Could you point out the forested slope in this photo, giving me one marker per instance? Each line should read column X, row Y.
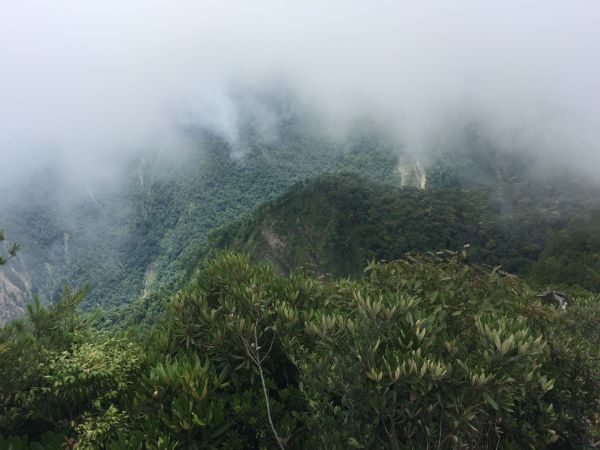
column 139, row 234
column 336, row 223
column 149, row 228
column 441, row 349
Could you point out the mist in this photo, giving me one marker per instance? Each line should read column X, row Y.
column 88, row 85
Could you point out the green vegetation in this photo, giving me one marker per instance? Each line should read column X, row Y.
column 12, row 250
column 572, row 257
column 422, row 351
column 180, row 341
column 55, row 371
column 146, row 234
column 335, row 223
column 139, row 236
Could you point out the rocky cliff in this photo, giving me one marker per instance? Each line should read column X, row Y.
column 15, row 290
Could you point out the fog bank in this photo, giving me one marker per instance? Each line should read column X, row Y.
column 89, row 84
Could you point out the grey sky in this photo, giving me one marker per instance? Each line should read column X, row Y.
column 85, row 83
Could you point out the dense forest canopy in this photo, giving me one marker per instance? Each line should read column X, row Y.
column 169, row 342
column 426, row 350
column 128, row 240
column 141, row 236
column 437, row 348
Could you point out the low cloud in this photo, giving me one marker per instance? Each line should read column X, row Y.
column 89, row 84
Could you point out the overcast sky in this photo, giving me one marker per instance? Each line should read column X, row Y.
column 86, row 82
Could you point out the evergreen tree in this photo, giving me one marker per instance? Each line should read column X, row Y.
column 12, row 250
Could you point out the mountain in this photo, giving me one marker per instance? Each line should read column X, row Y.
column 336, row 223
column 370, row 325
column 139, row 235
column 149, row 227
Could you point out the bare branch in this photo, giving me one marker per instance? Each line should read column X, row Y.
column 253, row 352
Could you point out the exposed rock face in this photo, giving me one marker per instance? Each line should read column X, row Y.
column 274, row 247
column 555, row 298
column 150, row 277
column 412, row 173
column 15, row 290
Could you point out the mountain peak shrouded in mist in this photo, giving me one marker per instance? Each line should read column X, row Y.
column 87, row 85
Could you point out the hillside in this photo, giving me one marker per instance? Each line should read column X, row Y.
column 139, row 235
column 350, row 351
column 149, row 230
column 336, row 223
column 232, row 225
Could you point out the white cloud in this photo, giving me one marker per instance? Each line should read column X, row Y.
column 85, row 82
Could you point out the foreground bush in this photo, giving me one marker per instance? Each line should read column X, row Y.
column 424, row 352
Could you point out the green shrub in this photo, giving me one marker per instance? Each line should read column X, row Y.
column 421, row 352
